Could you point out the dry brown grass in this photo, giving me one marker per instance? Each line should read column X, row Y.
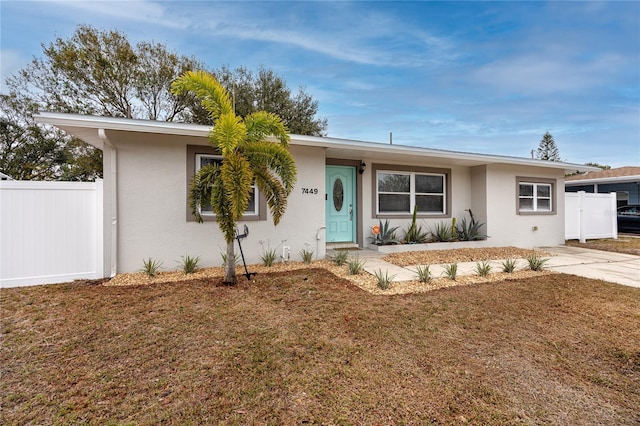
column 309, row 347
column 430, row 257
column 624, row 244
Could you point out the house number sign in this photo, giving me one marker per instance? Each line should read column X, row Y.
column 310, row 191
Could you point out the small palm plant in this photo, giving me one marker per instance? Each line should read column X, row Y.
column 483, row 268
column 340, row 257
column 384, row 279
column 190, row 264
column 423, row 273
column 307, row 255
column 509, row 265
column 451, row 271
column 355, row 266
column 151, row 267
column 536, row 263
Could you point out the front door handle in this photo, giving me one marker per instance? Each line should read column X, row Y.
column 350, row 212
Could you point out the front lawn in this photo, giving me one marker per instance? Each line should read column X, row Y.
column 307, row 347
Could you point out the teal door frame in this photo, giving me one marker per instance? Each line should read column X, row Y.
column 341, row 206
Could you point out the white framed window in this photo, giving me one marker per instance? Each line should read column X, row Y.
column 535, row 197
column 206, row 210
column 399, row 192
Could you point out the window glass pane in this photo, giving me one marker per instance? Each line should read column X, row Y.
column 394, row 203
column 544, row 204
column 429, row 184
column 393, row 182
column 251, row 208
column 430, row 203
column 544, row 191
column 526, row 190
column 209, row 160
column 526, row 204
column 338, row 194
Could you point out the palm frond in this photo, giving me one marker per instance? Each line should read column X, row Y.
column 237, row 177
column 276, row 158
column 228, row 133
column 200, row 188
column 274, row 192
column 222, row 209
column 262, row 124
column 213, row 96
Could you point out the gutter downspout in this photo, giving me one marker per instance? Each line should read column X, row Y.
column 110, row 226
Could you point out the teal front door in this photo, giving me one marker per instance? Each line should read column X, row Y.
column 341, row 204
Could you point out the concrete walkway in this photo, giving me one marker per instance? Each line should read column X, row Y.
column 609, row 266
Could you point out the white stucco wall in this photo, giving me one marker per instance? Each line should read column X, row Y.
column 504, row 226
column 152, row 198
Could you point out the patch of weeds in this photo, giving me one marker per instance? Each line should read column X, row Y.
column 340, row 257
column 307, row 255
column 423, row 273
column 536, row 263
column 384, row 279
column 151, row 267
column 451, row 271
column 509, row 265
column 483, row 268
column 355, row 266
column 189, row 264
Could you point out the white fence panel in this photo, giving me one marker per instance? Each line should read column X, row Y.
column 590, row 216
column 50, row 232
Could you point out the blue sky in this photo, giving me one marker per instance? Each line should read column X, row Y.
column 487, row 77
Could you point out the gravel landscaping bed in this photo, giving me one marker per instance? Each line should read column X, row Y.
column 363, row 280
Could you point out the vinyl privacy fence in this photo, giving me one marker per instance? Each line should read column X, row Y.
column 590, row 216
column 50, row 232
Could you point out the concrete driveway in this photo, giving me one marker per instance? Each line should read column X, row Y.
column 618, row 268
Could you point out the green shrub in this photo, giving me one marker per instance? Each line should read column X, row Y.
column 441, row 232
column 307, row 255
column 151, row 267
column 384, row 279
column 414, row 233
column 451, row 270
column 509, row 265
column 536, row 263
column 190, row 264
column 470, row 231
column 483, row 268
column 387, row 234
column 423, row 273
column 340, row 257
column 355, row 266
column 268, row 257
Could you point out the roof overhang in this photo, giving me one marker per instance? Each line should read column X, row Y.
column 617, row 179
column 87, row 127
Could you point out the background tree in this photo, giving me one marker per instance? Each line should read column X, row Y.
column 547, row 149
column 602, row 166
column 102, row 73
column 247, row 157
column 266, row 91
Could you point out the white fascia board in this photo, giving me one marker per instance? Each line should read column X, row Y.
column 618, row 179
column 65, row 120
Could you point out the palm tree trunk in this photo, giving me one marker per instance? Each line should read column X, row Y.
column 230, row 266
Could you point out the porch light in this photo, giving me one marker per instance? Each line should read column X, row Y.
column 363, row 167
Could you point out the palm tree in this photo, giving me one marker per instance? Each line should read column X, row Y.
column 254, row 151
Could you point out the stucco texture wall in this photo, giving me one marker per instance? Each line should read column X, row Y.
column 152, row 195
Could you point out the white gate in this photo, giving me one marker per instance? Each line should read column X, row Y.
column 50, row 232
column 590, row 216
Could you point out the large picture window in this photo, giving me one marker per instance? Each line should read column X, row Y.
column 206, row 210
column 399, row 192
column 535, row 196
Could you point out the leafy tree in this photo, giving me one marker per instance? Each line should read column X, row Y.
column 247, row 157
column 93, row 72
column 547, row 150
column 266, row 91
